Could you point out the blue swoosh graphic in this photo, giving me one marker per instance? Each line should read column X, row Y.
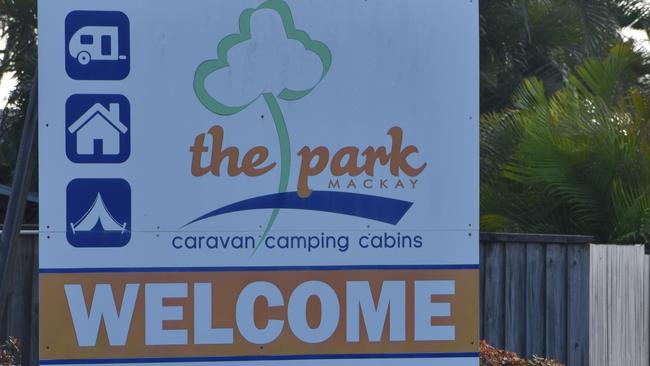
column 376, row 208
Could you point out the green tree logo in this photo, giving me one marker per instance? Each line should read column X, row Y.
column 221, row 64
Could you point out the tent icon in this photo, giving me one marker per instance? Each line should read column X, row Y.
column 98, row 213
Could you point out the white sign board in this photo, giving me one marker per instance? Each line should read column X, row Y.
column 259, row 182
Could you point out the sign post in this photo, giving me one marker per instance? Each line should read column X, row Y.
column 259, row 182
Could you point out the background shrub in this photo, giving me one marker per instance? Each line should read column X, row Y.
column 491, row 356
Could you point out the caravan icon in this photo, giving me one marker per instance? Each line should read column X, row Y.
column 95, row 43
column 98, row 213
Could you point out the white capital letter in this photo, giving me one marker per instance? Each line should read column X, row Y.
column 425, row 309
column 245, row 312
column 155, row 313
column 203, row 331
column 297, row 312
column 86, row 324
column 359, row 299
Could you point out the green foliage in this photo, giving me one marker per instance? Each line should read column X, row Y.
column 576, row 162
column 19, row 57
column 547, row 39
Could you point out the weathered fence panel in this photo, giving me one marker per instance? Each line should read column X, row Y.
column 598, row 295
column 578, row 301
column 618, row 315
column 494, row 299
column 556, row 302
column 535, row 298
column 515, row 334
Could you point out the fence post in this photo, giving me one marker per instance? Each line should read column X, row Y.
column 20, row 188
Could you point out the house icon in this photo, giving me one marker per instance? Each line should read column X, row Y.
column 98, row 130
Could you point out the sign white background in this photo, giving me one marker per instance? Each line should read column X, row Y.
column 409, row 63
column 406, row 63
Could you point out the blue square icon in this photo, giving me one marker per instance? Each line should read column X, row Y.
column 98, row 213
column 97, row 128
column 97, row 45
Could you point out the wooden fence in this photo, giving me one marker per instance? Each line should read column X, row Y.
column 554, row 296
column 619, row 299
column 21, row 316
column 561, row 297
column 535, row 293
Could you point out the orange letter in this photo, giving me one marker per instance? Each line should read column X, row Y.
column 232, row 153
column 350, row 166
column 398, row 156
column 255, row 157
column 197, row 151
column 306, row 170
column 372, row 156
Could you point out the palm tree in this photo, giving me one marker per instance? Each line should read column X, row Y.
column 547, row 39
column 576, row 162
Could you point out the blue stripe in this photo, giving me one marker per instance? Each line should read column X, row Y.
column 263, row 269
column 262, row 358
column 376, row 208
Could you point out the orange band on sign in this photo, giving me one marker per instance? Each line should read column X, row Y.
column 258, row 313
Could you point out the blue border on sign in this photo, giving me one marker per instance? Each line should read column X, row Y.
column 260, row 269
column 263, row 358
